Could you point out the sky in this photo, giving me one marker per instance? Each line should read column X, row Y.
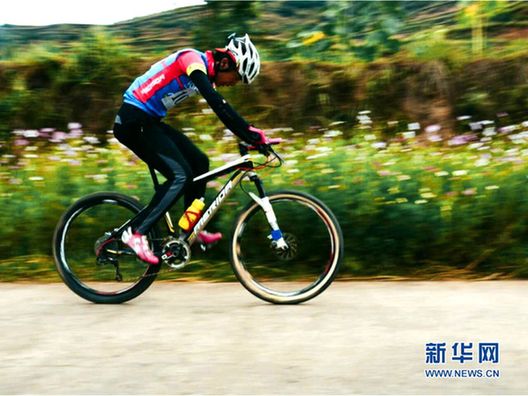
column 98, row 12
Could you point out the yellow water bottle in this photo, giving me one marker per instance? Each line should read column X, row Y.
column 192, row 215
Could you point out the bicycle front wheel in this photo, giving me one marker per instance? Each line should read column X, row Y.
column 299, row 272
column 91, row 261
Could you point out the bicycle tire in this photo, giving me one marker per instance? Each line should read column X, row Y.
column 246, row 278
column 61, row 263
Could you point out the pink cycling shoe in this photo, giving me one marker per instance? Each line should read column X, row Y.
column 139, row 245
column 208, row 238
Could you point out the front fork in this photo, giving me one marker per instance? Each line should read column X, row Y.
column 263, row 201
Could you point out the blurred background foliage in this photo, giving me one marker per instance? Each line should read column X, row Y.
column 404, row 60
column 372, row 97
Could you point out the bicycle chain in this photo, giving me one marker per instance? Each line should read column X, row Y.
column 167, row 269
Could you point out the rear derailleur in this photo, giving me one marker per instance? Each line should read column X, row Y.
column 106, row 251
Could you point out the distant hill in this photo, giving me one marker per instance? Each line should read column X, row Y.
column 270, row 22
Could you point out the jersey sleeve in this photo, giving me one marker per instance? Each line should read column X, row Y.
column 191, row 61
column 231, row 119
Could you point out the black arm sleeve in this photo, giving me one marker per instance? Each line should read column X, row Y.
column 231, row 119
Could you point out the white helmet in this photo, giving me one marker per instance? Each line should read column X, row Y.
column 247, row 57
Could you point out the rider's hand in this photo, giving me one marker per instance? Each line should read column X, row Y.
column 258, row 136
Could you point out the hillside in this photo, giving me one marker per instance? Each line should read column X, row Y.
column 271, row 22
column 411, row 60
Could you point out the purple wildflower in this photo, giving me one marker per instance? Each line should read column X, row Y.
column 57, row 137
column 75, row 133
column 462, row 139
column 433, row 128
column 507, row 129
column 46, row 132
column 21, row 142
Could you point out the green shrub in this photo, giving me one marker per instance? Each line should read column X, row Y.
column 405, row 207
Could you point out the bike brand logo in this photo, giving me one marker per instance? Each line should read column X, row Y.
column 152, row 84
column 218, row 200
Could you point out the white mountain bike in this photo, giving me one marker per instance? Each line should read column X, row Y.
column 286, row 246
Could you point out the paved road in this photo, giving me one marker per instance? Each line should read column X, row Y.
column 358, row 337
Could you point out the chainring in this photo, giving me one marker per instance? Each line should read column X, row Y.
column 175, row 253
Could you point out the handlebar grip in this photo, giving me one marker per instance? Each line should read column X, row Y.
column 275, row 141
column 244, row 147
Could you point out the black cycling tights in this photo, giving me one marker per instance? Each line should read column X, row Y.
column 168, row 151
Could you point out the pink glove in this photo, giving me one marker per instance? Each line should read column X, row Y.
column 258, row 135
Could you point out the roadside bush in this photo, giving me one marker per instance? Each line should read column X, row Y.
column 86, row 84
column 407, row 206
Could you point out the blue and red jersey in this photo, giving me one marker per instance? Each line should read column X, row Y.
column 167, row 82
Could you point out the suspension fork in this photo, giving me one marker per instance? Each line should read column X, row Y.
column 263, row 201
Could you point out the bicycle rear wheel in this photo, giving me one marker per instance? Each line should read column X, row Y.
column 303, row 270
column 94, row 264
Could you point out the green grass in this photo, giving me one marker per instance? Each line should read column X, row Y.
column 408, row 206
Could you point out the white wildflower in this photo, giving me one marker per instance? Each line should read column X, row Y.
column 315, row 156
column 428, row 195
column 432, row 128
column 332, row 133
column 74, row 125
column 31, row 133
column 205, row 137
column 489, row 131
column 91, row 139
column 460, row 172
column 379, row 145
column 414, row 126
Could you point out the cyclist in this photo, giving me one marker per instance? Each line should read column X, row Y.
column 139, row 126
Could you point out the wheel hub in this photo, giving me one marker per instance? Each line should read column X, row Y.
column 290, row 252
column 103, row 248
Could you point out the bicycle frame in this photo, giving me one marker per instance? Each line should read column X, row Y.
column 241, row 167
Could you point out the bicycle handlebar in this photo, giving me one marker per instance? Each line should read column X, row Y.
column 262, row 148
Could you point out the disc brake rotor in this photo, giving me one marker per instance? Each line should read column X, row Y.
column 290, row 252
